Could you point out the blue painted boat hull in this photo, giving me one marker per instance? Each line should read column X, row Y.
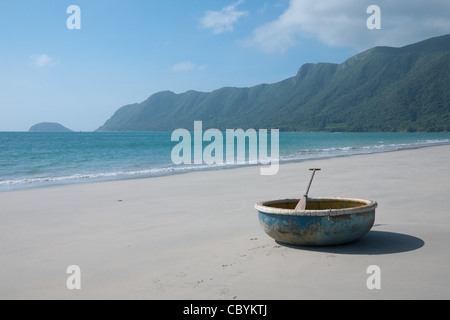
column 326, row 221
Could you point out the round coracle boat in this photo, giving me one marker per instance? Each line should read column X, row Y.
column 324, row 222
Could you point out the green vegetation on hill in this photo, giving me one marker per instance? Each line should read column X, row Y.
column 381, row 89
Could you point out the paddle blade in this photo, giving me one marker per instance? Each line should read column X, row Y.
column 301, row 204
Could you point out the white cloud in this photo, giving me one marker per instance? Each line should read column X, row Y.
column 223, row 20
column 183, row 66
column 186, row 66
column 42, row 60
column 343, row 23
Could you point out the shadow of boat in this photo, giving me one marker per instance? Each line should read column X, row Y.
column 373, row 243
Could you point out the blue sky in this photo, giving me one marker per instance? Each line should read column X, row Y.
column 127, row 50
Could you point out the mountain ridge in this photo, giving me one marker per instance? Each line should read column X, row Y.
column 380, row 89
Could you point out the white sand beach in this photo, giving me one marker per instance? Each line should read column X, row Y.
column 197, row 235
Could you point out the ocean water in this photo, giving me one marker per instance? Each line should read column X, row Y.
column 30, row 160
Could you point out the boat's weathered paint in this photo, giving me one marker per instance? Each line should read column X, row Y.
column 326, row 221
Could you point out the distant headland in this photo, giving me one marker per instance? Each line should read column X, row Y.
column 49, row 127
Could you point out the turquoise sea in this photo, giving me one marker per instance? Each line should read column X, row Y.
column 30, row 160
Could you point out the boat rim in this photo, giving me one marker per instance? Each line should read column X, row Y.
column 368, row 205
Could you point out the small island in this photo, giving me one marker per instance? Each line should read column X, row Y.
column 49, row 127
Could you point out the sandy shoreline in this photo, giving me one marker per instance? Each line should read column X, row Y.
column 197, row 235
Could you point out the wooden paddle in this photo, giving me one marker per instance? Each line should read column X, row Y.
column 302, row 203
